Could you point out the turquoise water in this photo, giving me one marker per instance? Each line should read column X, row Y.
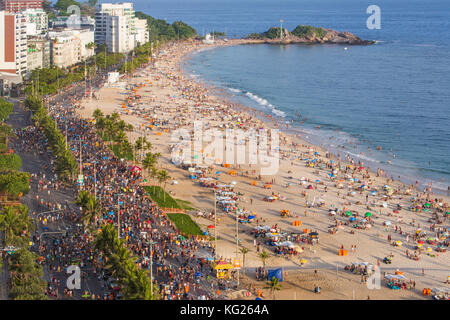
column 395, row 94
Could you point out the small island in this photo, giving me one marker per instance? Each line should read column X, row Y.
column 307, row 34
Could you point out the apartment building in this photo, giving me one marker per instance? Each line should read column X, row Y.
column 13, row 43
column 142, row 34
column 15, row 6
column 37, row 21
column 115, row 26
column 69, row 47
column 42, row 44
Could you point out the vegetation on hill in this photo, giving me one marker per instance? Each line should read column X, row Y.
column 160, row 30
column 300, row 31
column 308, row 31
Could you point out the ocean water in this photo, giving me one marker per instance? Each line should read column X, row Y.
column 395, row 94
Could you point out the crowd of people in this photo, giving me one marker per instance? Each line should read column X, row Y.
column 177, row 262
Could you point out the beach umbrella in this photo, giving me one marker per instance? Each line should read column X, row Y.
column 447, row 213
column 348, row 213
column 251, row 217
column 352, row 219
column 368, row 214
column 211, row 227
column 388, row 223
column 258, row 298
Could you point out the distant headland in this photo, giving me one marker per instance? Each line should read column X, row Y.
column 308, row 35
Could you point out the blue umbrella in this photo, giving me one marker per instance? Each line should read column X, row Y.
column 251, row 217
column 217, row 172
column 258, row 298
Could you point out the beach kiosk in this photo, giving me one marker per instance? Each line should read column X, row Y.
column 223, row 269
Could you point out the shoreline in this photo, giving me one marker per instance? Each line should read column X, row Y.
column 406, row 177
column 164, row 100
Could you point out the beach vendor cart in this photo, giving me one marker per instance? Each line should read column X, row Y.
column 223, row 269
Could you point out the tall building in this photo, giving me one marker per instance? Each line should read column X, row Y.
column 40, row 43
column 15, row 6
column 141, row 35
column 37, row 21
column 13, row 43
column 115, row 26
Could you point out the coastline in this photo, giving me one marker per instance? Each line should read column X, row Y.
column 405, row 172
column 187, row 188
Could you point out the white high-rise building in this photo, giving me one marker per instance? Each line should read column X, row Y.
column 141, row 36
column 37, row 21
column 13, row 43
column 115, row 26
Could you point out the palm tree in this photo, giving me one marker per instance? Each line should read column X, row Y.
column 163, row 176
column 97, row 115
column 9, row 221
column 264, row 256
column 90, row 206
column 244, row 251
column 273, row 285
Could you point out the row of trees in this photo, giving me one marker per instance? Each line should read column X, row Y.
column 44, row 81
column 121, row 263
column 113, row 130
column 64, row 159
column 26, row 274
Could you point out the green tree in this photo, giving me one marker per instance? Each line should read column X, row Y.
column 244, row 252
column 273, row 285
column 264, row 256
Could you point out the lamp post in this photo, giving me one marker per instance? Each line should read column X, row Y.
column 81, row 164
column 151, row 243
column 215, row 224
column 281, row 29
column 118, row 214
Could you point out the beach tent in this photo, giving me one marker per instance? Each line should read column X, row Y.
column 348, row 213
column 275, row 273
column 395, row 277
column 368, row 214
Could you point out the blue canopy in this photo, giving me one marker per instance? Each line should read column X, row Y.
column 277, row 273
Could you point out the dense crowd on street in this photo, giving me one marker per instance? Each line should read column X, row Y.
column 179, row 266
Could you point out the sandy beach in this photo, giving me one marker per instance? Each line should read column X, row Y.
column 315, row 192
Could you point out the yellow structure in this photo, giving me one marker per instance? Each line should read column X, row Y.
column 223, row 269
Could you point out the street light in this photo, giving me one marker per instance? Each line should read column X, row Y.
column 118, row 214
column 151, row 243
column 215, row 224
